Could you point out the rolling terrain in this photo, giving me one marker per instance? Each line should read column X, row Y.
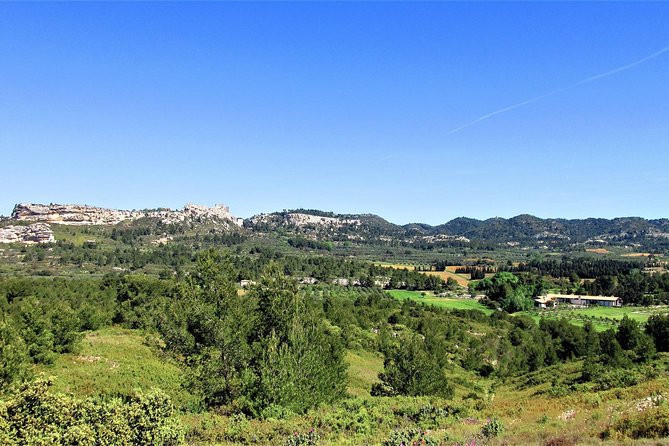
column 633, row 234
column 313, row 328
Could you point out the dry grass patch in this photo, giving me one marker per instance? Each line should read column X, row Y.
column 598, row 250
column 397, row 266
column 445, row 275
column 454, row 268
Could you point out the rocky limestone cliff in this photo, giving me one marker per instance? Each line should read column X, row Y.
column 299, row 219
column 71, row 214
column 74, row 214
column 218, row 211
column 35, row 233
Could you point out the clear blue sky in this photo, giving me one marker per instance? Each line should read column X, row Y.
column 347, row 107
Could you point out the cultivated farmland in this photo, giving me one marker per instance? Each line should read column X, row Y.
column 602, row 317
column 444, row 302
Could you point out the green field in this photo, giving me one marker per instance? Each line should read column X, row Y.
column 602, row 317
column 363, row 371
column 640, row 314
column 80, row 234
column 445, row 302
column 599, row 325
column 114, row 361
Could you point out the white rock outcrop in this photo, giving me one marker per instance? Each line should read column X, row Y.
column 75, row 214
column 71, row 214
column 300, row 220
column 35, row 233
column 218, row 211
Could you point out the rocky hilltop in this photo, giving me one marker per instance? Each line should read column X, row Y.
column 522, row 230
column 301, row 220
column 71, row 214
column 329, row 226
column 75, row 214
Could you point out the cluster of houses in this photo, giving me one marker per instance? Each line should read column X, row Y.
column 551, row 300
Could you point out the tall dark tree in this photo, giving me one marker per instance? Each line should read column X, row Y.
column 210, row 323
column 612, row 354
column 657, row 327
column 631, row 338
column 592, row 345
column 411, row 370
column 279, row 304
column 13, row 354
column 298, row 362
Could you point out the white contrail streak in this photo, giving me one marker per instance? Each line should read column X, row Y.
column 559, row 90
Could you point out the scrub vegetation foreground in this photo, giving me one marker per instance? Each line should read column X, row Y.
column 309, row 328
column 136, row 359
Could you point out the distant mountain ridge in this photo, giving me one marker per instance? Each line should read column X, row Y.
column 524, row 229
column 525, row 226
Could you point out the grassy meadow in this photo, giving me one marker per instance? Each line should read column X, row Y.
column 407, row 266
column 445, row 302
column 363, row 372
column 114, row 361
column 603, row 318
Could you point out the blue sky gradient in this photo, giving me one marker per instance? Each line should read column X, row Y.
column 349, row 107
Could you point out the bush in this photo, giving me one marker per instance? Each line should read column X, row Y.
column 303, row 439
column 492, row 428
column 237, row 427
column 35, row 417
column 616, row 378
column 409, row 437
column 558, row 389
column 13, row 356
column 561, row 440
column 358, row 416
column 427, row 416
column 651, row 423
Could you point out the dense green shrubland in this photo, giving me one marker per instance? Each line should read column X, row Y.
column 36, row 416
column 278, row 349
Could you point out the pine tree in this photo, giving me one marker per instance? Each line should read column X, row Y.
column 13, row 355
column 411, row 370
column 298, row 362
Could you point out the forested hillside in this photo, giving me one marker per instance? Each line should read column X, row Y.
column 527, row 230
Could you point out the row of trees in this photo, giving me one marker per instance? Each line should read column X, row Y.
column 634, row 287
column 583, row 267
column 179, row 258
